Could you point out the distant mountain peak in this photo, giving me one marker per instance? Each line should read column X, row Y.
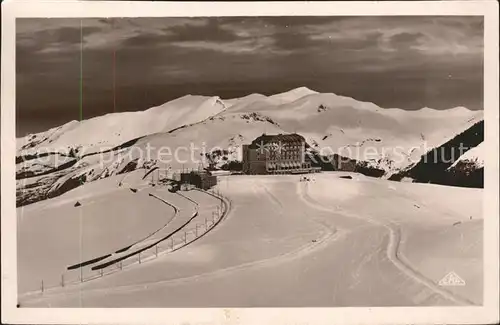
column 303, row 89
column 458, row 109
column 293, row 94
column 461, row 109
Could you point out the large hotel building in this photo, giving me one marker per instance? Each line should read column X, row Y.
column 276, row 154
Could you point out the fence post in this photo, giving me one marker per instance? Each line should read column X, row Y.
column 156, row 250
column 62, row 280
column 185, row 237
column 139, row 257
column 81, row 274
column 42, row 286
column 172, row 243
column 206, row 223
column 121, row 265
column 101, row 271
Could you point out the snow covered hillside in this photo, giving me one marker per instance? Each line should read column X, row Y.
column 110, row 130
column 473, row 158
column 385, row 140
column 330, row 242
column 470, row 167
column 388, row 139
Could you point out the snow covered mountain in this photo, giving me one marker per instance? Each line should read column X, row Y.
column 386, row 140
column 108, row 131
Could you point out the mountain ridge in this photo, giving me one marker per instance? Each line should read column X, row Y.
column 377, row 141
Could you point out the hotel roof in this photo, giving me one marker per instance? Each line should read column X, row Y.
column 269, row 138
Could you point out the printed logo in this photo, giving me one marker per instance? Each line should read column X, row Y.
column 451, row 279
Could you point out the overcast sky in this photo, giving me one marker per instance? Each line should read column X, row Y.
column 405, row 62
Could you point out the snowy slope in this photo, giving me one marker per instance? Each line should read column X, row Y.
column 474, row 157
column 332, row 123
column 388, row 140
column 49, row 136
column 186, row 147
column 110, row 130
column 182, row 148
column 292, row 95
column 330, row 242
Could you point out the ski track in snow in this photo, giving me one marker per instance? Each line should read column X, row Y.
column 322, row 242
column 176, row 209
column 331, row 233
column 392, row 249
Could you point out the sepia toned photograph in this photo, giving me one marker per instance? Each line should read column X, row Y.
column 250, row 161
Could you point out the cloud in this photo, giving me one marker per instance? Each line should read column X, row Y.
column 144, row 40
column 253, row 46
column 211, row 30
column 431, row 35
column 158, row 59
column 63, row 34
column 280, row 35
column 406, row 40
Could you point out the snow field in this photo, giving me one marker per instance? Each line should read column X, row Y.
column 266, row 237
column 184, row 219
column 287, row 243
column 438, row 233
column 439, row 250
column 193, row 220
column 54, row 238
column 327, row 242
column 54, row 234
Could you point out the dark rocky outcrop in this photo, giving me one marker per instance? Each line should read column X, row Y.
column 28, row 173
column 435, row 166
column 68, row 185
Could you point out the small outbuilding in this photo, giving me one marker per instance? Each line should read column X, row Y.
column 201, row 179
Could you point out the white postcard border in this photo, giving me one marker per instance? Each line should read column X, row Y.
column 198, row 316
